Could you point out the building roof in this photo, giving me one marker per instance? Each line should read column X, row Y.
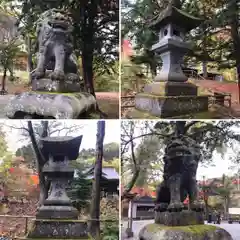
column 109, row 173
column 144, row 199
column 142, row 191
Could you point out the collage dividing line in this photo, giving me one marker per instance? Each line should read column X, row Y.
column 119, row 120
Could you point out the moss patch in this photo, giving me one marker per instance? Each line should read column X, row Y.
column 55, row 238
column 147, row 95
column 200, row 115
column 54, row 93
column 197, row 230
column 137, row 114
column 61, row 220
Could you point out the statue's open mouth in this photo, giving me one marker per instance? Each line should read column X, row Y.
column 58, row 25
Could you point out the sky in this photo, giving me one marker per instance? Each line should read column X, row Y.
column 88, row 130
column 220, row 164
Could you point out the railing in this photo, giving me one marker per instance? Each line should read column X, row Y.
column 24, row 217
column 130, row 98
column 193, row 74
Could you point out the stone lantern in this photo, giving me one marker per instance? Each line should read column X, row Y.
column 170, row 94
column 172, row 25
column 57, row 218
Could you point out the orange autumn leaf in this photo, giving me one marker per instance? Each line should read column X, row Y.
column 34, row 179
column 127, row 50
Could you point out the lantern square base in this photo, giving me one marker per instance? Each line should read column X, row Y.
column 171, row 89
column 170, row 106
column 59, row 229
column 57, row 212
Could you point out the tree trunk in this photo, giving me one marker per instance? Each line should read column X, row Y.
column 89, row 13
column 180, row 127
column 204, row 69
column 4, row 80
column 94, row 226
column 234, row 24
column 206, row 207
column 129, row 187
column 205, row 53
column 153, row 68
column 43, row 184
column 29, row 57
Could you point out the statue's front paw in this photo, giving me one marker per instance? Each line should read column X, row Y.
column 57, row 75
column 73, row 77
column 161, row 207
column 175, row 207
column 38, row 73
column 196, row 206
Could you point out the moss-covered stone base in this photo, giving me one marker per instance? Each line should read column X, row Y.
column 58, row 229
column 171, row 89
column 137, row 114
column 183, row 218
column 45, row 105
column 192, row 232
column 26, row 238
column 170, row 106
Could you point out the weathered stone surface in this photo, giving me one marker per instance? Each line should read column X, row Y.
column 49, row 105
column 57, row 212
column 62, row 86
column 58, row 229
column 196, row 232
column 211, row 114
column 182, row 218
column 171, row 89
column 170, row 106
column 55, row 46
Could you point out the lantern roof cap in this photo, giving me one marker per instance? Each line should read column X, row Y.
column 176, row 16
column 61, row 146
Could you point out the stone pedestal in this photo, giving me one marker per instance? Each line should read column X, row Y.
column 57, row 218
column 61, row 229
column 171, row 95
column 171, row 89
column 39, row 105
column 66, row 86
column 169, row 106
column 196, row 232
column 183, row 218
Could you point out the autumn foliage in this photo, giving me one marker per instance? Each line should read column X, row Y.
column 19, row 180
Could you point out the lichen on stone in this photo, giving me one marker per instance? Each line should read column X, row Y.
column 190, row 232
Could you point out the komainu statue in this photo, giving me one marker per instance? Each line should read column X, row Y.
column 57, row 88
column 55, row 48
column 182, row 155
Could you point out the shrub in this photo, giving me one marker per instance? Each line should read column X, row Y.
column 110, row 211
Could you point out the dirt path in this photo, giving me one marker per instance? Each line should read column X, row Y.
column 231, row 88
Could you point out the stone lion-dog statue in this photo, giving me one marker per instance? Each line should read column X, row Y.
column 55, row 48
